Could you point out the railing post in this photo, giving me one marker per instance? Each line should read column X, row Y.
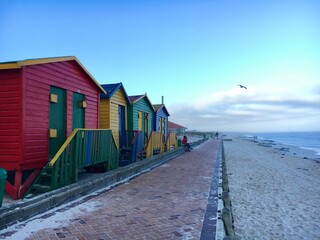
column 75, row 155
column 88, row 150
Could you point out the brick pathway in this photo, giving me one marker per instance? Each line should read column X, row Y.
column 168, row 202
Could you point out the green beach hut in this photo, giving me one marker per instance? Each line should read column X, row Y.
column 140, row 115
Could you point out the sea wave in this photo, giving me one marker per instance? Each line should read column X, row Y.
column 303, row 140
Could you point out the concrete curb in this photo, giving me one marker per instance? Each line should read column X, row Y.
column 225, row 203
column 27, row 208
column 210, row 222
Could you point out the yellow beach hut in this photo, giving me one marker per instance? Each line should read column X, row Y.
column 113, row 109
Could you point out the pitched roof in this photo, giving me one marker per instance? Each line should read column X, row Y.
column 111, row 90
column 174, row 125
column 27, row 62
column 157, row 107
column 136, row 98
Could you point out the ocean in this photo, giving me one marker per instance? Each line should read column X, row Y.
column 305, row 140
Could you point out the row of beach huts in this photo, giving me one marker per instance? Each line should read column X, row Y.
column 56, row 119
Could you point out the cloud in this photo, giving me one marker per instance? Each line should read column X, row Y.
column 255, row 109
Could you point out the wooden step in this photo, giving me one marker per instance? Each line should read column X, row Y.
column 46, row 175
column 41, row 188
column 30, row 195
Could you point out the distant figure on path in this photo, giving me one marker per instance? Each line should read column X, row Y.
column 186, row 144
column 216, row 135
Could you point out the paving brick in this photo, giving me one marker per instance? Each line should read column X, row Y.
column 168, row 202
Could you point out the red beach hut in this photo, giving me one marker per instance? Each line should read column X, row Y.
column 41, row 102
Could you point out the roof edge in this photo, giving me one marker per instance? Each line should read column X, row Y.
column 27, row 62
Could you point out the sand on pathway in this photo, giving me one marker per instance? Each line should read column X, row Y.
column 274, row 195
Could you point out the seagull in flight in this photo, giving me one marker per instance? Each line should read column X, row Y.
column 241, row 86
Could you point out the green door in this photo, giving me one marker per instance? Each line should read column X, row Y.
column 57, row 121
column 78, row 110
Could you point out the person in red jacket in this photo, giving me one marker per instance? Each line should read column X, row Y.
column 186, row 144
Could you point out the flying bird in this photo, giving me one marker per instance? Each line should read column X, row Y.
column 241, row 86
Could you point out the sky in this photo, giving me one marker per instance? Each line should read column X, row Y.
column 195, row 53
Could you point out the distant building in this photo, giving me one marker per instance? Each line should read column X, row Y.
column 176, row 128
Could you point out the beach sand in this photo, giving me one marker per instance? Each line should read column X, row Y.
column 274, row 190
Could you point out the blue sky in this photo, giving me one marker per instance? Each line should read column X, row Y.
column 192, row 52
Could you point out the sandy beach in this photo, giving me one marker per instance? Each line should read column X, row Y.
column 274, row 190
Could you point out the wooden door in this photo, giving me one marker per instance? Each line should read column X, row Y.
column 57, row 120
column 78, row 110
column 122, row 125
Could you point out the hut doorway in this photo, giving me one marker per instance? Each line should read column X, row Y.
column 122, row 125
column 57, row 120
column 78, row 110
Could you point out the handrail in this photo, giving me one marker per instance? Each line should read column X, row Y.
column 63, row 147
column 133, row 146
column 67, row 142
column 84, row 147
column 135, row 136
column 155, row 143
column 171, row 141
column 137, row 146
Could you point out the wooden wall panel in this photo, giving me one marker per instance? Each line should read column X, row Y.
column 10, row 118
column 104, row 114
